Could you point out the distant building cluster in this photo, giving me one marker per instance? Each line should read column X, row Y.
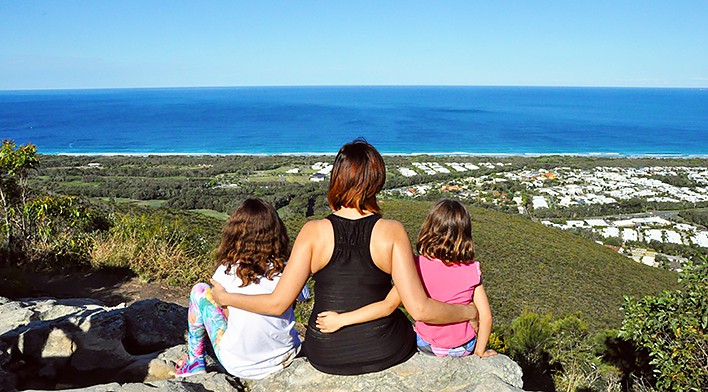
column 433, row 168
column 606, row 185
column 642, row 229
column 322, row 170
column 564, row 187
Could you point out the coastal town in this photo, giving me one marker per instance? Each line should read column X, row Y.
column 540, row 192
column 636, row 209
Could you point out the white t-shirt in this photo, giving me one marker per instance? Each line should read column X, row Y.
column 255, row 345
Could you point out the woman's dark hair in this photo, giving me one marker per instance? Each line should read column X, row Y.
column 358, row 175
column 255, row 241
column 447, row 233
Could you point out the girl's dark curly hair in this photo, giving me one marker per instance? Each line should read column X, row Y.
column 255, row 241
column 447, row 233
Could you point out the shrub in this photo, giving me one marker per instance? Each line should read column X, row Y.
column 16, row 163
column 58, row 231
column 577, row 361
column 559, row 354
column 159, row 245
column 528, row 340
column 671, row 326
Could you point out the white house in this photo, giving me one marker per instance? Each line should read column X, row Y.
column 629, row 235
column 701, row 239
column 596, row 222
column 539, row 202
column 610, row 232
column 672, row 237
column 653, row 235
column 317, row 177
column 575, row 223
column 624, row 223
column 649, row 260
column 685, row 227
column 457, row 167
column 406, row 172
column 471, row 166
column 652, row 220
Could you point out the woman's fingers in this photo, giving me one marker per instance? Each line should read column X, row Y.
column 216, row 291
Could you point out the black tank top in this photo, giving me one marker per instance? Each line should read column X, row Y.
column 349, row 281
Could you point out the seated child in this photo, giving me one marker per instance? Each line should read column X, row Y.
column 449, row 274
column 251, row 257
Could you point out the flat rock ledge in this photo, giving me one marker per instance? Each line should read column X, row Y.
column 44, row 338
column 420, row 373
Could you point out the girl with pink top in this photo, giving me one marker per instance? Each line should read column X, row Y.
column 449, row 274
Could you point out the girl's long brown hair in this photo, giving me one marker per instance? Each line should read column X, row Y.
column 447, row 233
column 255, row 241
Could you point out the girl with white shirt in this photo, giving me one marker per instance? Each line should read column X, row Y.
column 251, row 257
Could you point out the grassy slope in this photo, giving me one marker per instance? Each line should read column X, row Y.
column 529, row 266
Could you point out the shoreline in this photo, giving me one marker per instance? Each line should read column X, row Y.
column 616, row 155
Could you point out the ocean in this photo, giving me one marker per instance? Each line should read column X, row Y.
column 397, row 120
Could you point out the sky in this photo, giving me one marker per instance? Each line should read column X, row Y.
column 57, row 44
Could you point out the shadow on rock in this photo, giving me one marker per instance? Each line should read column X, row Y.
column 49, row 343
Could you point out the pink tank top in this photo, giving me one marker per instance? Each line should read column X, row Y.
column 453, row 284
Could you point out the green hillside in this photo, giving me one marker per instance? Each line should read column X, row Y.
column 526, row 265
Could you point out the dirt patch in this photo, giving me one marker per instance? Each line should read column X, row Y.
column 110, row 286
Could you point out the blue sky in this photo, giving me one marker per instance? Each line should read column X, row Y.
column 125, row 43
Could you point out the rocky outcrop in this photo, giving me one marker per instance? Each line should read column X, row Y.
column 49, row 344
column 420, row 373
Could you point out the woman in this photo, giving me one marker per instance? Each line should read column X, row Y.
column 353, row 254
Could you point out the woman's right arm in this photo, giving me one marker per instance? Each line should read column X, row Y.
column 410, row 289
column 294, row 277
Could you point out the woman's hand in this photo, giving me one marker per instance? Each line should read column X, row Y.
column 474, row 322
column 225, row 312
column 329, row 322
column 487, row 353
column 217, row 292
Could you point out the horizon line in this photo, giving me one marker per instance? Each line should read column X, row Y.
column 345, row 85
column 611, row 155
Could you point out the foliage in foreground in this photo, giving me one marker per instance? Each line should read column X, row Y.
column 562, row 354
column 42, row 229
column 672, row 327
column 159, row 245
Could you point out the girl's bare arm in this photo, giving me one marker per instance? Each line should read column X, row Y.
column 332, row 321
column 485, row 322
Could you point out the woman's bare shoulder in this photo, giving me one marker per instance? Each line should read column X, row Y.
column 389, row 228
column 390, row 224
column 315, row 227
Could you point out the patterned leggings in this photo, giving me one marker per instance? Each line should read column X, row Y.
column 462, row 351
column 204, row 316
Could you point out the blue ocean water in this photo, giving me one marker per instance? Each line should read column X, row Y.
column 400, row 120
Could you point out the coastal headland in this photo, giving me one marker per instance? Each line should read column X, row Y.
column 547, row 229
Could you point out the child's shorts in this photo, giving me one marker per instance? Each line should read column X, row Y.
column 462, row 351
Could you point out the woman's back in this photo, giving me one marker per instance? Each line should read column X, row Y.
column 348, row 281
